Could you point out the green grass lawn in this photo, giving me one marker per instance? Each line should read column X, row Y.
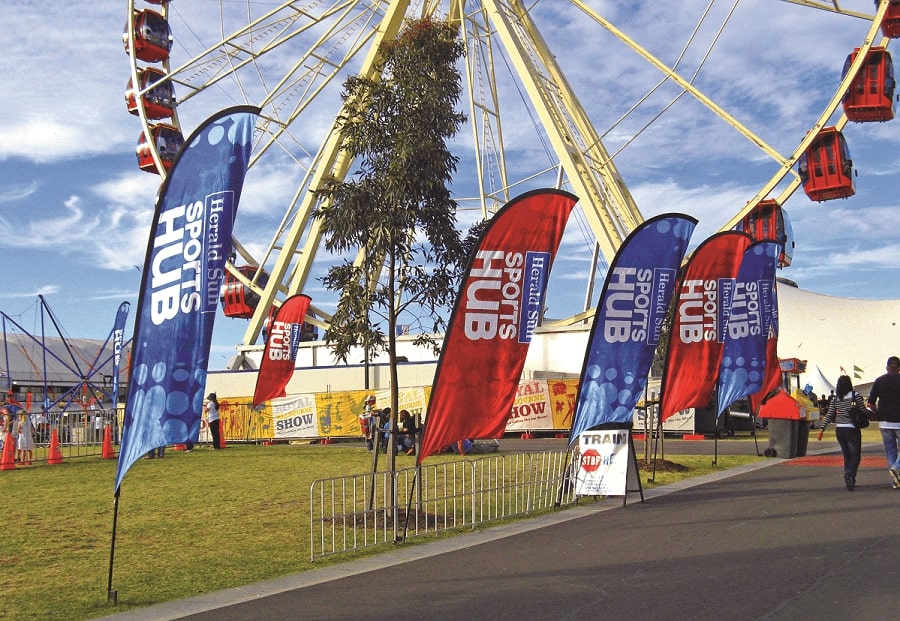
column 191, row 523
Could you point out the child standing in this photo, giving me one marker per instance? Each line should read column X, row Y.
column 24, row 438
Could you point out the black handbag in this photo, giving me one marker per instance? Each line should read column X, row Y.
column 859, row 416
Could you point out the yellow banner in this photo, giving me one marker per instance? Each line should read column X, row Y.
column 539, row 405
column 563, row 398
column 338, row 413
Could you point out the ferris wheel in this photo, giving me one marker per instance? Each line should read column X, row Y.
column 189, row 60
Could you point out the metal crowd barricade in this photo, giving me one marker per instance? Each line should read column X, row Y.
column 353, row 512
column 80, row 432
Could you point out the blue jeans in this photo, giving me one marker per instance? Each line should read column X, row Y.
column 891, row 439
column 850, row 440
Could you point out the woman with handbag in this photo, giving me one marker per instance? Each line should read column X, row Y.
column 847, row 433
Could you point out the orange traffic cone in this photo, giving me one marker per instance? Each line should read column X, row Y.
column 221, row 437
column 108, row 451
column 8, row 461
column 54, row 455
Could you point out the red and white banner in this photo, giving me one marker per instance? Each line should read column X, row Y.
column 499, row 306
column 280, row 354
column 697, row 334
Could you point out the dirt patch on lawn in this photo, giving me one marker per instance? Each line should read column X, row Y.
column 662, row 465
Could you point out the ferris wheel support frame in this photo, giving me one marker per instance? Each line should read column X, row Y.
column 607, row 204
column 589, row 170
column 331, row 161
column 609, row 207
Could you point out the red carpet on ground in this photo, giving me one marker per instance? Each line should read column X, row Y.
column 836, row 460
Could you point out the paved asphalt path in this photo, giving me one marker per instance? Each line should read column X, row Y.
column 779, row 540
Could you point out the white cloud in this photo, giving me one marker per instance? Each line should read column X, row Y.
column 44, row 141
column 32, row 293
column 46, row 232
column 111, row 236
column 60, row 97
column 17, row 191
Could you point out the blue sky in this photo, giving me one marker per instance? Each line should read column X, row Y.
column 75, row 209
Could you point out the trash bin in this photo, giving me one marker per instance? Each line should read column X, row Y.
column 802, row 437
column 782, row 438
column 783, row 414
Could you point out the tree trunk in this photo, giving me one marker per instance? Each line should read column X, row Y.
column 395, row 397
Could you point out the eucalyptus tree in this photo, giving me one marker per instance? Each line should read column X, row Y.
column 393, row 218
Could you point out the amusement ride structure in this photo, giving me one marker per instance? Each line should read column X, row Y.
column 291, row 60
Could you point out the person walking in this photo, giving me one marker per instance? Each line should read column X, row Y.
column 212, row 419
column 884, row 400
column 848, row 435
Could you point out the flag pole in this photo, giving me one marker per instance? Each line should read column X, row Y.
column 715, row 460
column 656, row 440
column 111, row 595
column 563, row 481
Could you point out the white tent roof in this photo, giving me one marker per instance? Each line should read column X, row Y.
column 818, row 382
column 832, row 333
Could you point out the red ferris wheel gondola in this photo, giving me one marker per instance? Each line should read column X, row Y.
column 168, row 141
column 239, row 300
column 768, row 221
column 826, row 168
column 890, row 25
column 152, row 36
column 158, row 101
column 871, row 94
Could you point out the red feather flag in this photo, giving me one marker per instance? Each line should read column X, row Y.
column 698, row 328
column 499, row 306
column 280, row 354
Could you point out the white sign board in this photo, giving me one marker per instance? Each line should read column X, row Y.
column 602, row 463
